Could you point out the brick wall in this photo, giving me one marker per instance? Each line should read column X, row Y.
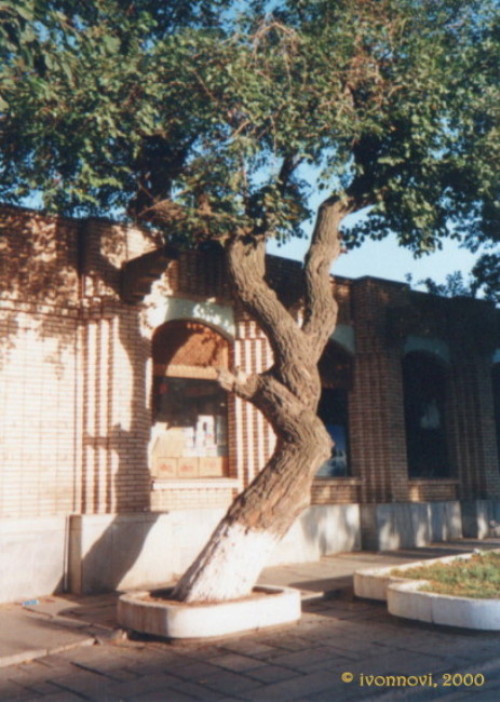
column 472, row 427
column 38, row 331
column 75, row 401
column 77, row 372
column 376, row 402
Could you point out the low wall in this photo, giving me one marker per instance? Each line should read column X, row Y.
column 85, row 554
column 387, row 527
column 32, row 557
column 480, row 518
column 140, row 550
column 319, row 531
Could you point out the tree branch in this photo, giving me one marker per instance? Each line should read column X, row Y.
column 320, row 308
column 292, row 358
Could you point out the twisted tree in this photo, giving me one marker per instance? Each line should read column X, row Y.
column 215, row 122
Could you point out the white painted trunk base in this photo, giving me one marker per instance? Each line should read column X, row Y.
column 229, row 565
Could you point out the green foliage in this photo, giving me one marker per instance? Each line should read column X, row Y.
column 486, row 277
column 483, row 282
column 477, row 577
column 203, row 116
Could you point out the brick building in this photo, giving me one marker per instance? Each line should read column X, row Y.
column 119, row 451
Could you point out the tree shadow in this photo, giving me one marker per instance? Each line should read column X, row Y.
column 76, row 362
column 115, row 473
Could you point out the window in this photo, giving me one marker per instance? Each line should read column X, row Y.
column 336, row 373
column 190, row 421
column 189, row 436
column 424, row 386
column 496, row 400
column 333, row 412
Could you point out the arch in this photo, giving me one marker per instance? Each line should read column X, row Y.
column 434, row 347
column 336, row 370
column 190, row 409
column 425, row 395
column 188, row 347
column 217, row 315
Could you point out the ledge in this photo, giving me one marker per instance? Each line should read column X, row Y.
column 190, row 483
column 434, row 481
column 341, row 480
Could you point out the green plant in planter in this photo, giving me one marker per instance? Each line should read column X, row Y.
column 477, row 577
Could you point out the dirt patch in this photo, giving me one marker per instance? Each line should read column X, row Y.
column 163, row 597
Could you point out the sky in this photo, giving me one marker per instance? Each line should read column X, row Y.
column 380, row 259
column 385, row 259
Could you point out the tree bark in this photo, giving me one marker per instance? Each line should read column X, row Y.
column 288, row 395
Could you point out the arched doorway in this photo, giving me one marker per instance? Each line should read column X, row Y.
column 190, row 409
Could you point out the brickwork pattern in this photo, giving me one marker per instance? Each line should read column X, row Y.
column 472, row 428
column 77, row 373
column 75, row 401
column 376, row 402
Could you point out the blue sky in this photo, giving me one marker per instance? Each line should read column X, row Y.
column 380, row 259
column 385, row 259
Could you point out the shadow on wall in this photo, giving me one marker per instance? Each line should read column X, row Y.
column 391, row 526
column 320, row 530
column 115, row 475
column 115, row 478
column 66, row 408
column 38, row 267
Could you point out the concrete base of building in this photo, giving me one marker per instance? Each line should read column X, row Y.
column 387, row 527
column 33, row 555
column 129, row 551
column 135, row 550
column 87, row 554
column 480, row 518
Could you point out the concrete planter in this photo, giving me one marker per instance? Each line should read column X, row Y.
column 373, row 584
column 406, row 599
column 268, row 606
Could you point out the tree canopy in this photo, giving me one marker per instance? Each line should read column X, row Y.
column 214, row 120
column 483, row 281
column 203, row 116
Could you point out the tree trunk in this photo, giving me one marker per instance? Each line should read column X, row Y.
column 231, row 562
column 288, row 396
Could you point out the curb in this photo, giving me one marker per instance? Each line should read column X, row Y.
column 31, row 655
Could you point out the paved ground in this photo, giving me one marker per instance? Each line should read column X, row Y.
column 342, row 649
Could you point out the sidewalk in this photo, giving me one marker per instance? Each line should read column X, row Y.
column 54, row 624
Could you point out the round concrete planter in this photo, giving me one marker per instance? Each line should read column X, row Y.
column 268, row 606
column 373, row 583
column 407, row 600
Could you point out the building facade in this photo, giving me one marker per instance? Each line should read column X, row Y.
column 120, row 452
